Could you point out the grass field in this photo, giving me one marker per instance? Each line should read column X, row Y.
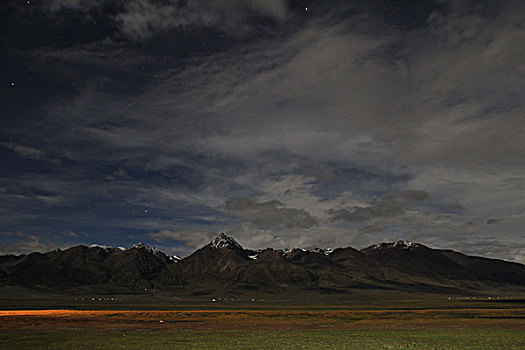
column 264, row 339
column 264, row 329
column 423, row 323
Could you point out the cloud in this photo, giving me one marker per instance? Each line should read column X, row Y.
column 191, row 238
column 306, row 193
column 385, row 207
column 29, row 152
column 480, row 194
column 120, row 174
column 25, row 243
column 270, row 214
column 141, row 19
column 301, row 126
column 372, row 105
column 388, row 206
column 81, row 5
column 371, row 229
column 417, row 195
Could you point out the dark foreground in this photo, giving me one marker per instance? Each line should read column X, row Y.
column 447, row 324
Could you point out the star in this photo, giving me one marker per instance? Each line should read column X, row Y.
column 12, row 83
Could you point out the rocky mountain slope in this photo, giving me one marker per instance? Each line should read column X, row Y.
column 225, row 266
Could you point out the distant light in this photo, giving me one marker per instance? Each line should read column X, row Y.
column 145, row 210
column 12, row 83
column 306, row 8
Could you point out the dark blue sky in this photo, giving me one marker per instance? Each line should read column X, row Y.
column 281, row 123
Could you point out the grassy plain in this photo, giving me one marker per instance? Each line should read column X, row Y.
column 422, row 322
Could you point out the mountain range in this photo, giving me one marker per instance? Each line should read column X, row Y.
column 224, row 266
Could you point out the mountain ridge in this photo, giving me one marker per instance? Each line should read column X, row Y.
column 223, row 265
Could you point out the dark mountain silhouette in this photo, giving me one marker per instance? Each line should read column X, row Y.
column 224, row 266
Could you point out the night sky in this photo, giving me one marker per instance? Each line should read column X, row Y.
column 281, row 123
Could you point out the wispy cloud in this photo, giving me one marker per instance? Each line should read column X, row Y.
column 341, row 125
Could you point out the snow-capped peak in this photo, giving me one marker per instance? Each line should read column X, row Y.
column 148, row 248
column 174, row 258
column 403, row 244
column 323, row 251
column 223, row 241
column 106, row 247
